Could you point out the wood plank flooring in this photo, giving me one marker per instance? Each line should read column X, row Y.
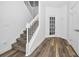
column 13, row 53
column 54, row 47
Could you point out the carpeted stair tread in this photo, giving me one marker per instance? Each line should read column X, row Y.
column 18, row 47
column 21, row 41
column 22, row 35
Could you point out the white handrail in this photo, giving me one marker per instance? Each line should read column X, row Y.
column 28, row 26
column 35, row 19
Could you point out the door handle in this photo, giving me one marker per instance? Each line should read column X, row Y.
column 77, row 30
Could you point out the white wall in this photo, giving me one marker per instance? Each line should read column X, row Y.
column 13, row 19
column 73, row 25
column 59, row 10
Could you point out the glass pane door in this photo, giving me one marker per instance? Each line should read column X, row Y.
column 52, row 26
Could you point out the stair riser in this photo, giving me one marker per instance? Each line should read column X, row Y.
column 23, row 35
column 21, row 43
column 17, row 48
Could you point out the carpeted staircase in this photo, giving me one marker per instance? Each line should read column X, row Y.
column 54, row 47
column 18, row 48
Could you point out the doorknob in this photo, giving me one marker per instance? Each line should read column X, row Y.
column 77, row 30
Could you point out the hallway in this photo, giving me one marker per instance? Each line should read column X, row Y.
column 54, row 47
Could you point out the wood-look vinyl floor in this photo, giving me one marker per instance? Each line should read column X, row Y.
column 13, row 53
column 54, row 47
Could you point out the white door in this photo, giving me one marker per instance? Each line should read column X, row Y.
column 50, row 12
column 60, row 14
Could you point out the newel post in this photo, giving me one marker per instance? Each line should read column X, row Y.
column 27, row 44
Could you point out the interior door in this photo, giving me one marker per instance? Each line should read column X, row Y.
column 58, row 20
column 51, row 15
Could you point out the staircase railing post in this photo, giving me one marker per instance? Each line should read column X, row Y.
column 27, row 37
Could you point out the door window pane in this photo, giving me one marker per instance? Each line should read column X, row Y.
column 52, row 25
